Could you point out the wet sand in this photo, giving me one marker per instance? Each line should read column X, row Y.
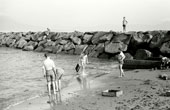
column 142, row 90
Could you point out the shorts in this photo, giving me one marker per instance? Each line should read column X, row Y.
column 50, row 75
column 121, row 62
column 124, row 26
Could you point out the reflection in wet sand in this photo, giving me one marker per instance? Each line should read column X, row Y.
column 83, row 80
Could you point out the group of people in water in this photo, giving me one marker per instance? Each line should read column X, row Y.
column 54, row 74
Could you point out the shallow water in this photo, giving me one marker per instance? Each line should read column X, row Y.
column 21, row 74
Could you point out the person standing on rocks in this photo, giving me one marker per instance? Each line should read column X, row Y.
column 124, row 24
column 49, row 71
column 121, row 58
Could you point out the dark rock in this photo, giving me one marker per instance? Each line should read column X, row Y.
column 57, row 49
column 69, row 46
column 106, row 37
column 104, row 56
column 96, row 38
column 42, row 43
column 128, row 56
column 125, row 38
column 10, row 42
column 28, row 37
column 28, row 48
column 99, row 48
column 90, row 48
column 157, row 39
column 142, row 54
column 94, row 54
column 49, row 43
column 79, row 49
column 53, row 36
column 76, row 40
column 87, row 38
column 71, row 51
column 48, row 49
column 114, row 47
column 165, row 48
column 39, row 49
column 63, row 42
column 21, row 43
column 33, row 44
column 63, row 35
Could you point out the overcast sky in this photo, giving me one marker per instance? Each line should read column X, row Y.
column 89, row 15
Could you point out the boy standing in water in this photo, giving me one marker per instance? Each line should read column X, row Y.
column 49, row 71
column 124, row 24
column 121, row 58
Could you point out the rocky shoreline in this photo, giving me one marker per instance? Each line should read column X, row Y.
column 136, row 45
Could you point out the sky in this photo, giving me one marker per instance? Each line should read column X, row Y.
column 84, row 15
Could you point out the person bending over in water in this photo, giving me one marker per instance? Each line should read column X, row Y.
column 121, row 58
column 49, row 71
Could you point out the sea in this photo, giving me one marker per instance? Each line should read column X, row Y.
column 21, row 76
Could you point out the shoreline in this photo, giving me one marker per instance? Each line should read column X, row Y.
column 139, row 92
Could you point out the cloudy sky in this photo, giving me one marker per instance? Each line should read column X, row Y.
column 84, row 15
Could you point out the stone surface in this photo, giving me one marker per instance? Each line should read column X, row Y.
column 114, row 47
column 79, row 49
column 28, row 48
column 142, row 54
column 69, row 46
column 96, row 38
column 76, row 40
column 87, row 38
column 21, row 43
column 165, row 48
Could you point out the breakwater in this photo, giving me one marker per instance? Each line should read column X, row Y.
column 136, row 45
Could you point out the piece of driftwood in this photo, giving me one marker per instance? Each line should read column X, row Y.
column 112, row 93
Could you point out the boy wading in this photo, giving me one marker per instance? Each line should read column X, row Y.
column 49, row 72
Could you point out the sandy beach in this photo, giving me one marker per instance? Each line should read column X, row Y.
column 142, row 90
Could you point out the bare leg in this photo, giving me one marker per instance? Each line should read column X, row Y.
column 120, row 68
column 49, row 91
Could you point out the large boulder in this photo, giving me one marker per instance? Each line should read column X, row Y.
column 128, row 56
column 90, row 48
column 57, row 49
column 99, row 48
column 87, row 38
column 165, row 48
column 28, row 48
column 69, row 46
column 79, row 49
column 63, row 35
column 53, row 36
column 11, row 42
column 114, row 47
column 76, row 40
column 157, row 39
column 49, row 43
column 142, row 54
column 33, row 44
column 48, row 49
column 106, row 37
column 63, row 42
column 39, row 49
column 96, row 38
column 42, row 43
column 124, row 38
column 94, row 54
column 21, row 43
